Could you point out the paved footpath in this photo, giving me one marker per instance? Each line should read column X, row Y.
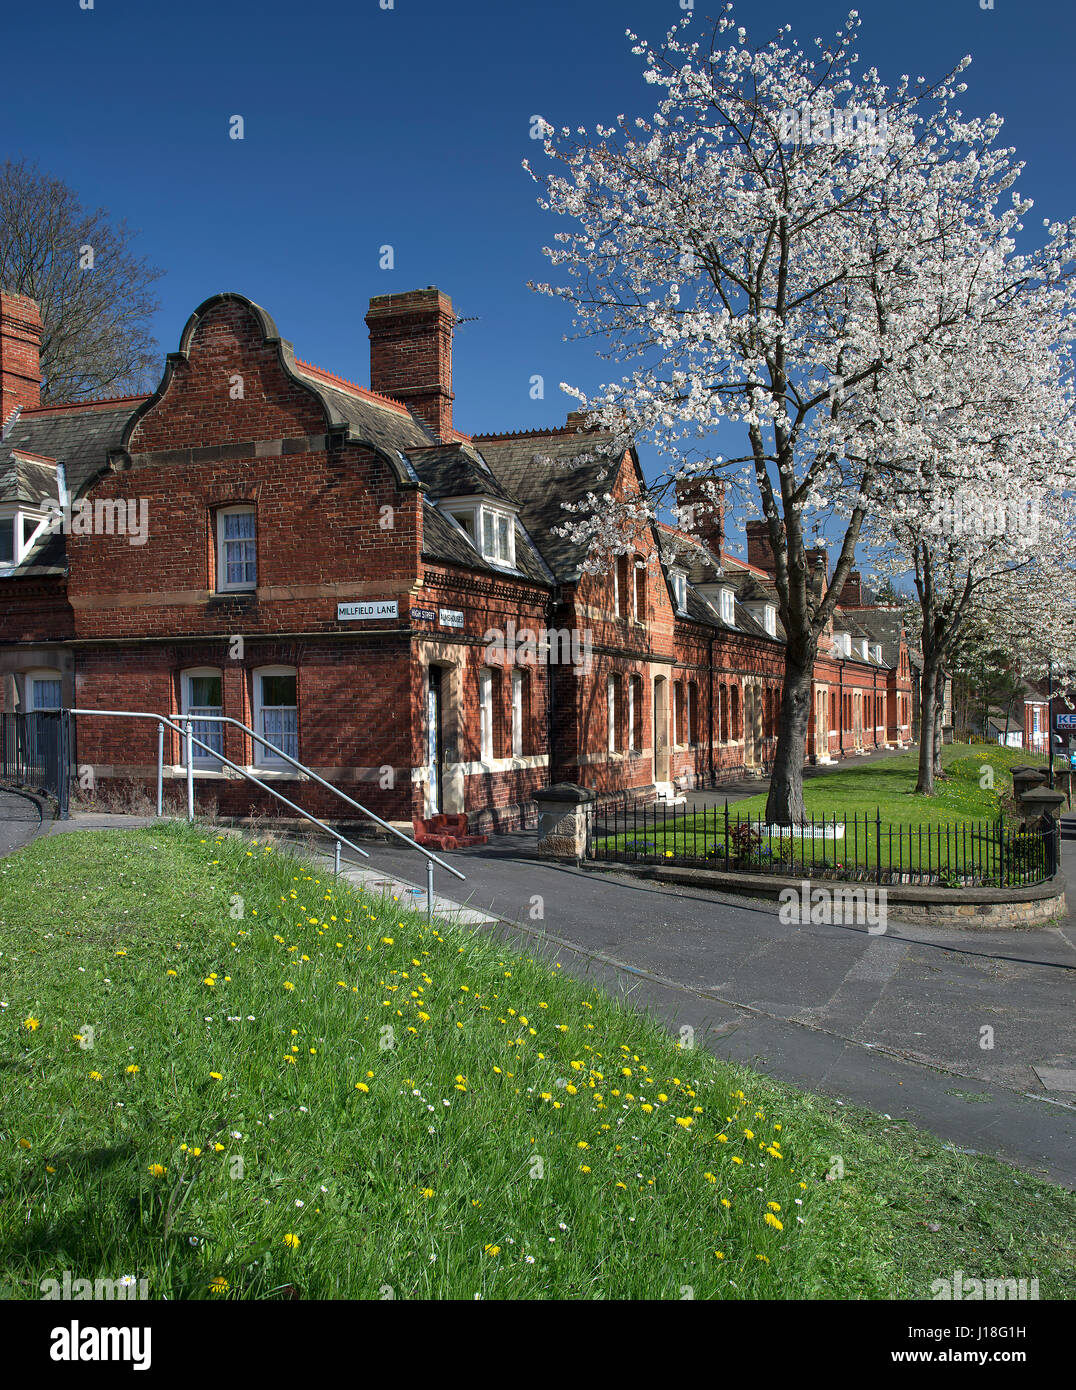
column 20, row 821
column 890, row 1022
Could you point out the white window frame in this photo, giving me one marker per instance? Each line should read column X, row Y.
column 728, row 606
column 769, row 621
column 631, row 714
column 14, row 516
column 471, row 515
column 485, row 715
column 215, row 732
column 610, row 716
column 223, row 585
column 265, row 757
column 29, row 678
column 689, row 713
column 638, row 577
column 678, row 580
column 518, row 678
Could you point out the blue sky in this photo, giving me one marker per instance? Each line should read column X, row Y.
column 408, row 126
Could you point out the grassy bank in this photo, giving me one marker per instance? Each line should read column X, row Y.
column 225, row 1075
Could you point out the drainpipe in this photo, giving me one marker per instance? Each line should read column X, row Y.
column 549, row 607
column 713, row 772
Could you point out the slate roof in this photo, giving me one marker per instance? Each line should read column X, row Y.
column 884, row 626
column 700, row 563
column 457, row 470
column 446, row 543
column 369, row 418
column 79, row 435
column 544, row 471
column 26, row 480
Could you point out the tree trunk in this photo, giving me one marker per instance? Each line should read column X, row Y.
column 784, row 804
column 928, row 699
column 939, row 718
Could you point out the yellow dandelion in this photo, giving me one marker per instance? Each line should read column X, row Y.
column 157, row 1170
column 218, row 1284
column 31, row 1024
column 291, row 1241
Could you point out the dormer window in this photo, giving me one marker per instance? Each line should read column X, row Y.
column 497, row 537
column 728, row 606
column 678, row 580
column 19, row 530
column 769, row 619
column 491, row 530
column 876, row 652
column 863, row 648
column 844, row 643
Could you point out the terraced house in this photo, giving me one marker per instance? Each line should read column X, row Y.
column 379, row 595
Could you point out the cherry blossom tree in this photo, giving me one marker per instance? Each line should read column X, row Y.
column 755, row 254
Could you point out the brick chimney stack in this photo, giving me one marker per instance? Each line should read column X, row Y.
column 703, row 500
column 411, row 353
column 852, row 593
column 759, row 550
column 20, row 353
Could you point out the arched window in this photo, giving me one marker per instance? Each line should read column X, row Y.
column 623, row 586
column 735, row 720
column 201, row 695
column 635, row 714
column 614, row 713
column 276, row 714
column 490, row 714
column 692, row 713
column 723, row 711
column 679, row 713
column 521, row 712
column 639, row 589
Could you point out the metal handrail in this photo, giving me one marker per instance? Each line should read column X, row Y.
column 185, row 733
column 308, row 772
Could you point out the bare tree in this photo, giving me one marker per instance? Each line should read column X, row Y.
column 92, row 290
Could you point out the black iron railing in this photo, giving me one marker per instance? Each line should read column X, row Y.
column 980, row 853
column 36, row 752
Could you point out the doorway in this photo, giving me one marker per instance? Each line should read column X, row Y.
column 434, row 743
column 661, row 729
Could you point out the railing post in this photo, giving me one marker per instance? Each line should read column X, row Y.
column 190, row 771
column 160, row 771
column 429, row 890
column 878, row 830
column 336, row 859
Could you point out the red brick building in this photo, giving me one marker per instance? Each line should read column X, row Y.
column 379, row 594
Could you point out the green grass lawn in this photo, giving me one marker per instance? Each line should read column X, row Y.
column 966, row 793
column 225, row 1074
column 951, row 837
